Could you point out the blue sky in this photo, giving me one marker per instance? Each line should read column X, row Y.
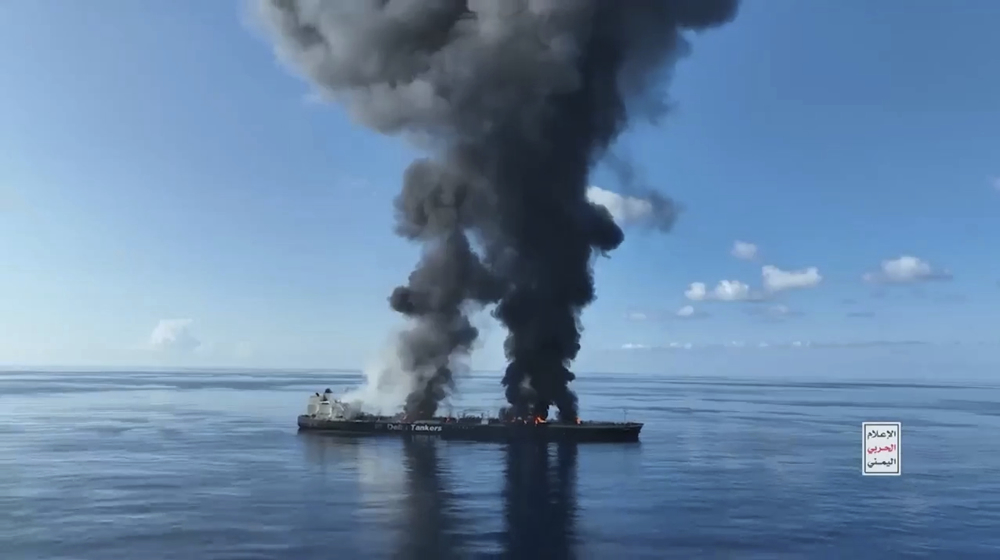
column 169, row 193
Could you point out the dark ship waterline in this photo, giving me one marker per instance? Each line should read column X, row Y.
column 327, row 415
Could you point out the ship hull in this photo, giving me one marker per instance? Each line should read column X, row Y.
column 494, row 432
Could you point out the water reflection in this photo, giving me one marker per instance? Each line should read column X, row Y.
column 428, row 526
column 323, row 450
column 363, row 476
column 540, row 501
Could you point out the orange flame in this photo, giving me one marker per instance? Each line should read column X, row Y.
column 577, row 420
column 539, row 420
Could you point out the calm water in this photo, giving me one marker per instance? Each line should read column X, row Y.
column 148, row 466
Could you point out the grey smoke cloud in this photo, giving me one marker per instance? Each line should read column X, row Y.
column 514, row 101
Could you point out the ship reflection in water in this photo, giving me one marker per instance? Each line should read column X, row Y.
column 540, row 501
column 536, row 499
column 429, row 527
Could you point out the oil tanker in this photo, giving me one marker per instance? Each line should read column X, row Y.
column 325, row 414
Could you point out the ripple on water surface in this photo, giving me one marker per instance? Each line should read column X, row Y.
column 193, row 465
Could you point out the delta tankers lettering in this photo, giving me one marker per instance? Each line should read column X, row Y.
column 425, row 428
column 412, row 428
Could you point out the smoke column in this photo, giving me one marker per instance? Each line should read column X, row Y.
column 515, row 100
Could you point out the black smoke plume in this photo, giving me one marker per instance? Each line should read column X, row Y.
column 516, row 100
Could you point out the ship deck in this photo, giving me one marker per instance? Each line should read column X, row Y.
column 475, row 429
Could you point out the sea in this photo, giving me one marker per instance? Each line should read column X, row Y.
column 150, row 465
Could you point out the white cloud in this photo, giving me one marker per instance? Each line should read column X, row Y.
column 632, row 346
column 685, row 311
column 624, row 209
column 905, row 269
column 777, row 280
column 696, row 291
column 725, row 290
column 744, row 251
column 652, row 210
column 636, row 316
column 173, row 335
column 731, row 290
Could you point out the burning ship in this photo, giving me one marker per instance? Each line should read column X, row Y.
column 326, row 414
column 514, row 108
